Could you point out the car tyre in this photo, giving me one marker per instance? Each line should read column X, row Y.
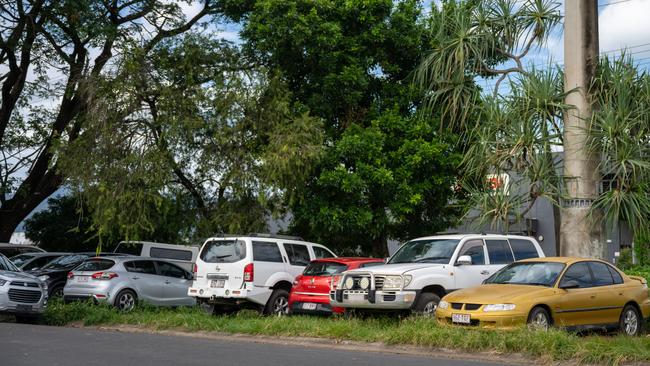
column 427, row 304
column 56, row 292
column 278, row 303
column 539, row 319
column 126, row 300
column 630, row 323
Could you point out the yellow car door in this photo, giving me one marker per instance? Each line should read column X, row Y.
column 575, row 305
column 609, row 292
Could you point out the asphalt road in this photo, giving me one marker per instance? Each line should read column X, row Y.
column 22, row 344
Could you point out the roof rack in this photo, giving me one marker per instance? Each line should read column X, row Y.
column 275, row 236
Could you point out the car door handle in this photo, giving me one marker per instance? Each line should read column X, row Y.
column 135, row 278
column 485, row 272
column 592, row 296
column 167, row 282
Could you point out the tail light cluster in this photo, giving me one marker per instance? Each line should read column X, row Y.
column 335, row 281
column 70, row 275
column 104, row 275
column 249, row 273
column 195, row 268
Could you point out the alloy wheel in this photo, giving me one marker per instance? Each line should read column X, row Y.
column 539, row 321
column 126, row 302
column 281, row 306
column 630, row 322
column 429, row 308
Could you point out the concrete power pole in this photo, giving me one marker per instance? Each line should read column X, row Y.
column 580, row 235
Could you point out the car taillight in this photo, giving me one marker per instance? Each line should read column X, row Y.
column 195, row 268
column 297, row 280
column 104, row 275
column 249, row 273
column 70, row 275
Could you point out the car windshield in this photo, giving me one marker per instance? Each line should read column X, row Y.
column 528, row 273
column 425, row 251
column 223, row 251
column 66, row 261
column 324, row 268
column 21, row 259
column 7, row 265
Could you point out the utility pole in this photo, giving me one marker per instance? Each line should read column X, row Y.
column 580, row 234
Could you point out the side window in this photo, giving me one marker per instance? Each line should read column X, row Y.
column 165, row 253
column 578, row 272
column 523, row 249
column 298, row 254
column 170, row 270
column 320, row 252
column 266, row 252
column 499, row 251
column 474, row 248
column 615, row 275
column 602, row 276
column 146, row 267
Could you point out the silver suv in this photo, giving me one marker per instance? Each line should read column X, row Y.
column 21, row 294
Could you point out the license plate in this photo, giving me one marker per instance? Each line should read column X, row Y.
column 460, row 318
column 25, row 308
column 309, row 306
column 82, row 278
column 356, row 297
column 218, row 283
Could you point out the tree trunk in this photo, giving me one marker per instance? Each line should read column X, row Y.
column 581, row 233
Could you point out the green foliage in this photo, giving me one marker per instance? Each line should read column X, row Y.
column 393, row 179
column 66, row 225
column 545, row 347
column 620, row 131
column 624, row 260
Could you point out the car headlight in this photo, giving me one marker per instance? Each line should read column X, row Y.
column 407, row 280
column 44, row 278
column 364, row 283
column 498, row 307
column 2, row 282
column 392, row 282
column 443, row 305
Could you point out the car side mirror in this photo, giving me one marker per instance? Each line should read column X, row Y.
column 569, row 285
column 464, row 260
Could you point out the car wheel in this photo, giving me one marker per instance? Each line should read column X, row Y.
column 56, row 292
column 630, row 322
column 427, row 304
column 278, row 304
column 125, row 300
column 539, row 319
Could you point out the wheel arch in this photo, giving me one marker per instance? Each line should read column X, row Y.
column 283, row 285
column 434, row 289
column 545, row 307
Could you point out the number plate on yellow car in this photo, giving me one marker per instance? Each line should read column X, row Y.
column 217, row 283
column 460, row 318
column 309, row 306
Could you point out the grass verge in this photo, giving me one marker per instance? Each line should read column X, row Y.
column 549, row 346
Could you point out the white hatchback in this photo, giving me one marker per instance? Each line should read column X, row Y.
column 251, row 271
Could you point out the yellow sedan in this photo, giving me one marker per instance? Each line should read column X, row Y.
column 566, row 292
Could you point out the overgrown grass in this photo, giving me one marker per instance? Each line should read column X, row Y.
column 639, row 271
column 549, row 346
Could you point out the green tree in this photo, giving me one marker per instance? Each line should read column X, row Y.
column 350, row 63
column 80, row 40
column 191, row 120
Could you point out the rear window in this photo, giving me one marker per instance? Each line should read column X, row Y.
column 95, row 265
column 324, row 268
column 523, row 249
column 322, row 252
column 165, row 253
column 223, row 251
column 129, row 248
column 67, row 261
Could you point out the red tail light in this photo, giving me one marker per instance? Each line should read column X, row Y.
column 104, row 275
column 195, row 268
column 249, row 273
column 334, row 282
column 70, row 275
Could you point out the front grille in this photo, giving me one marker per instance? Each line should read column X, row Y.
column 472, row 306
column 379, row 283
column 389, row 297
column 456, row 305
column 24, row 284
column 24, row 296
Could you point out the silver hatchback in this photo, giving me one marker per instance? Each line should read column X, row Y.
column 123, row 281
